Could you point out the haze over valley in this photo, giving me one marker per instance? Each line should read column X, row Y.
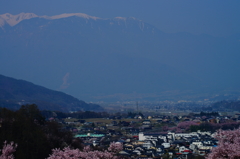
column 118, row 59
column 119, row 79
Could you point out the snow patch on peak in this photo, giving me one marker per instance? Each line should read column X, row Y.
column 126, row 18
column 12, row 20
column 120, row 18
column 15, row 19
column 65, row 15
column 2, row 22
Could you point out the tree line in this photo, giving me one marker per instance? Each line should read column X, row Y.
column 35, row 136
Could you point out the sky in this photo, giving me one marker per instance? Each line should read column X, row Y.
column 213, row 17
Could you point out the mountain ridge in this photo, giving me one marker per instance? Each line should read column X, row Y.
column 115, row 56
column 13, row 20
column 15, row 92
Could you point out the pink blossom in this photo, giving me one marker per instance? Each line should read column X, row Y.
column 8, row 150
column 175, row 129
column 87, row 153
column 228, row 146
column 115, row 147
column 186, row 124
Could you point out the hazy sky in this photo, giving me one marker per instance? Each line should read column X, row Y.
column 214, row 17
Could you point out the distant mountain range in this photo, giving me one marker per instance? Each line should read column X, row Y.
column 14, row 93
column 15, row 19
column 98, row 59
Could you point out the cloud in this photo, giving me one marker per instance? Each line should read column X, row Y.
column 65, row 83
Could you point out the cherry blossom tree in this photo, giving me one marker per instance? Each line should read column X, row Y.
column 8, row 150
column 228, row 146
column 186, row 124
column 175, row 129
column 87, row 153
column 68, row 153
column 115, row 147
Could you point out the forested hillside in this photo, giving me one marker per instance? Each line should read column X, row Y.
column 14, row 93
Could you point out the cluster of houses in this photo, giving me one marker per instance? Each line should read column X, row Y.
column 177, row 144
column 160, row 145
column 140, row 140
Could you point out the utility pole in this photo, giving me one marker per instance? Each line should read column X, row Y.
column 137, row 105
